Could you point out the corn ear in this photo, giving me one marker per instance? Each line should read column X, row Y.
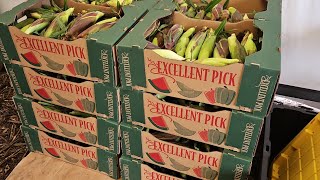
column 237, row 51
column 61, row 19
column 236, row 16
column 207, row 47
column 173, row 35
column 168, row 54
column 83, row 23
column 222, row 49
column 183, row 42
column 195, row 44
column 99, row 26
column 216, row 12
column 25, row 28
column 250, row 46
column 37, row 25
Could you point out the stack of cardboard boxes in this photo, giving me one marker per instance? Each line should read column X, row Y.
column 71, row 107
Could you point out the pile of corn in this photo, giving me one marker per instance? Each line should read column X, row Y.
column 210, row 11
column 53, row 22
column 207, row 46
column 111, row 3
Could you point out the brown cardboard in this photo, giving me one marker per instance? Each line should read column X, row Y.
column 58, row 50
column 200, row 77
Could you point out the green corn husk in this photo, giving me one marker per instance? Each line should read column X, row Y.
column 24, row 23
column 248, row 44
column 222, row 49
column 25, row 28
column 237, row 51
column 208, row 45
column 195, row 44
column 183, row 42
column 173, row 35
column 83, row 22
column 60, row 20
column 99, row 26
column 37, row 26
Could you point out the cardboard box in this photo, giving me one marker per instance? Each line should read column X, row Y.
column 96, row 52
column 85, row 156
column 135, row 169
column 142, row 145
column 238, row 131
column 90, row 130
column 253, row 82
column 89, row 97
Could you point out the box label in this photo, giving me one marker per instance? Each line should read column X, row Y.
column 202, row 83
column 191, row 162
column 64, row 57
column 79, row 96
column 203, row 126
column 148, row 173
column 85, row 157
column 80, row 129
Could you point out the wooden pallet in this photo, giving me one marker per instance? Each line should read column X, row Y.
column 37, row 166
